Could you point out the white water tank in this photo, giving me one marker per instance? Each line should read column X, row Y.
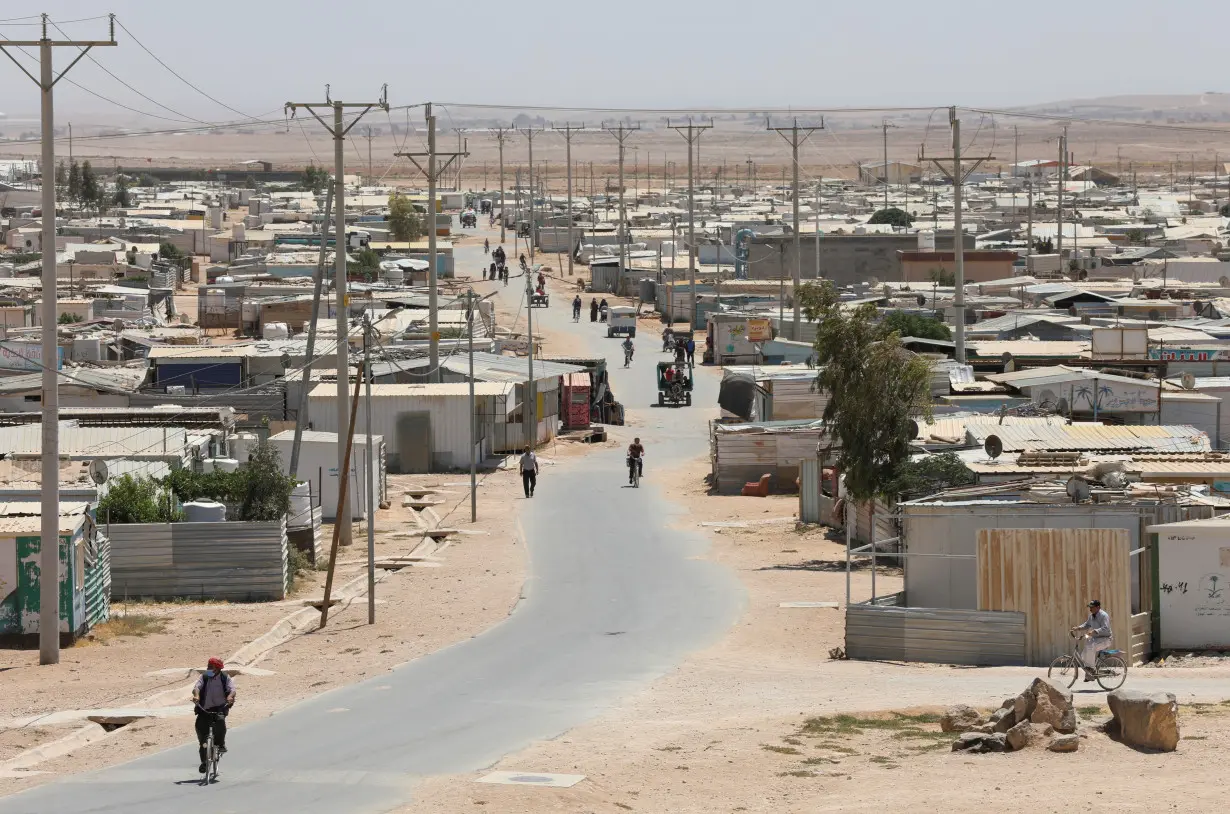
column 204, row 511
column 238, row 232
column 242, row 446
column 215, row 217
column 926, row 240
column 220, row 464
column 300, row 507
column 275, row 330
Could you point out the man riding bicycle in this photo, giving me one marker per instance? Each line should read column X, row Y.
column 636, row 457
column 628, row 348
column 213, row 696
column 1098, row 639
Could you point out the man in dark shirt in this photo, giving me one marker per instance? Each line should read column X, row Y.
column 636, row 457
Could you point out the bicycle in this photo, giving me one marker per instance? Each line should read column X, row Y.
column 634, row 469
column 1109, row 668
column 213, row 755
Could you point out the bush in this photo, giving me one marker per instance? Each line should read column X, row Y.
column 136, row 500
column 258, row 487
column 68, row 319
column 297, row 564
column 897, row 217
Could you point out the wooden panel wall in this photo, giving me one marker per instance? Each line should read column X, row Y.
column 1049, row 575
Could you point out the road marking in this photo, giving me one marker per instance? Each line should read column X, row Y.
column 339, row 709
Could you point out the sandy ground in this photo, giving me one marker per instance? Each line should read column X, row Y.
column 726, row 730
column 476, row 584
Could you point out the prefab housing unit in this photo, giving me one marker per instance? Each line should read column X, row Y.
column 85, row 574
column 318, row 466
column 741, row 453
column 426, row 426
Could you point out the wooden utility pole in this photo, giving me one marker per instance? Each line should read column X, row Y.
column 568, row 130
column 691, row 134
column 433, row 171
column 798, row 135
column 957, row 174
column 529, row 133
column 621, row 133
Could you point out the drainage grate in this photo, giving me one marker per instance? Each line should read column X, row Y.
column 547, row 779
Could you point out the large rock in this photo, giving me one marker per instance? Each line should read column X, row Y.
column 1026, row 734
column 979, row 743
column 960, row 718
column 1003, row 719
column 1145, row 720
column 1052, row 705
column 1065, row 743
column 1023, row 705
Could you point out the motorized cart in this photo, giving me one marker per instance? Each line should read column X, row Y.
column 674, row 384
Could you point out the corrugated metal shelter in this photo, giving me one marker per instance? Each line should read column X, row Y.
column 509, row 434
column 935, row 635
column 740, row 453
column 239, row 562
column 426, row 426
column 1049, row 575
column 789, row 393
column 85, row 570
column 1058, row 436
column 318, row 466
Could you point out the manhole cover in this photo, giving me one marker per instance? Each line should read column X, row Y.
column 548, row 779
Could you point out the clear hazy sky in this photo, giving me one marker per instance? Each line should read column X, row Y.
column 255, row 55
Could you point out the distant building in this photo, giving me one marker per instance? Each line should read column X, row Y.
column 894, row 172
column 980, row 266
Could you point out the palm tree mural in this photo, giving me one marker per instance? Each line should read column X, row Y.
column 1085, row 392
column 1104, row 391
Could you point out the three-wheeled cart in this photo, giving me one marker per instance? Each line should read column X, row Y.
column 674, row 384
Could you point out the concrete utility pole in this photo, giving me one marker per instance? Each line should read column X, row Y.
column 957, row 175
column 568, row 130
column 317, row 285
column 433, row 173
column 529, row 133
column 621, row 134
column 798, row 135
column 463, row 144
column 529, row 413
column 339, row 130
column 367, row 134
column 501, row 135
column 691, row 134
column 884, row 125
column 49, row 528
column 819, row 190
column 1063, row 175
column 1016, row 159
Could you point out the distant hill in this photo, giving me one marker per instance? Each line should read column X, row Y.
column 1173, row 108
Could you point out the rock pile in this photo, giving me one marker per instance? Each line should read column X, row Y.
column 1042, row 713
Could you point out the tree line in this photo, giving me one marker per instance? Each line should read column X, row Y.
column 81, row 186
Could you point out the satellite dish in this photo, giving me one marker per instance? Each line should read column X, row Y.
column 1189, row 381
column 98, row 471
column 1009, row 362
column 921, row 300
column 913, row 429
column 1155, row 315
column 993, row 446
column 227, row 416
column 1223, row 281
column 1078, row 489
column 1063, row 407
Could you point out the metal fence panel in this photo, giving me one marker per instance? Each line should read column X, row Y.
column 939, row 636
column 239, row 562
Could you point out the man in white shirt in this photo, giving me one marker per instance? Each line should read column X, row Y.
column 529, row 471
column 1100, row 637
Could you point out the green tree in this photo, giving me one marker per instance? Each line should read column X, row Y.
column 366, row 265
column 929, row 474
column 68, row 319
column 91, row 191
column 61, row 179
column 315, row 179
column 915, row 325
column 404, row 222
column 121, row 197
column 946, row 277
column 74, row 183
column 897, row 217
column 875, row 389
column 172, row 254
column 135, row 500
column 266, row 490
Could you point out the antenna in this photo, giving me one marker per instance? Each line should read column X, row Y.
column 98, row 471
column 993, row 446
column 1078, row 489
column 1189, row 381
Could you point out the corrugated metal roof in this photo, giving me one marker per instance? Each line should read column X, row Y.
column 1057, row 374
column 1075, row 437
column 1029, row 347
column 101, row 442
column 34, row 525
column 448, row 389
column 33, row 508
column 184, row 352
column 493, row 367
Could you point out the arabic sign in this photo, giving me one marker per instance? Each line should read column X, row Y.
column 26, row 356
column 1190, row 354
column 759, row 330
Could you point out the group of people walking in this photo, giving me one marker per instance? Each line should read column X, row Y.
column 498, row 270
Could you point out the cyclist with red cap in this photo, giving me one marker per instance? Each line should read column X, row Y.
column 213, row 696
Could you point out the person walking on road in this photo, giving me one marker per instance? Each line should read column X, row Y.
column 691, row 347
column 529, row 471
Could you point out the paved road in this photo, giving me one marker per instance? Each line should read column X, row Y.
column 614, row 598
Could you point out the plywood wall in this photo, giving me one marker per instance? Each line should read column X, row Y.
column 1050, row 575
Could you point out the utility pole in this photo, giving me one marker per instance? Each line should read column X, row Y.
column 501, row 135
column 368, row 135
column 317, row 285
column 1063, row 176
column 957, row 175
column 568, row 130
column 433, row 171
column 884, row 125
column 470, row 353
column 819, row 186
column 529, row 412
column 529, row 133
column 798, row 135
column 339, row 131
column 368, row 474
column 621, row 134
column 49, row 529
column 463, row 144
column 691, row 134
column 1016, row 159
